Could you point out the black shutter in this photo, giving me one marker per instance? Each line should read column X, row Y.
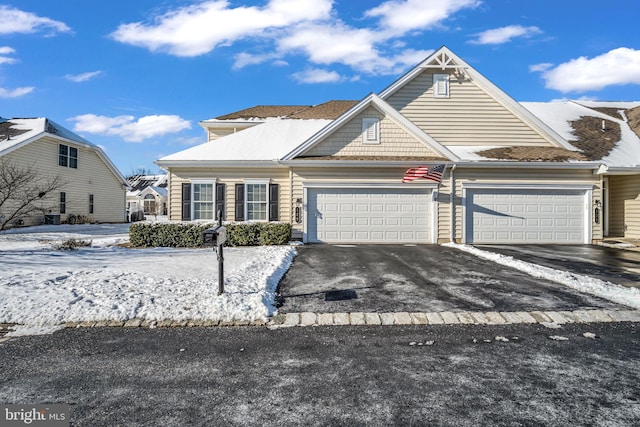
column 273, row 202
column 186, row 201
column 239, row 202
column 220, row 196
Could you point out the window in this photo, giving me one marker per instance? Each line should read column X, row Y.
column 149, row 204
column 370, row 131
column 63, row 202
column 202, row 200
column 67, row 156
column 441, row 85
column 91, row 203
column 256, row 202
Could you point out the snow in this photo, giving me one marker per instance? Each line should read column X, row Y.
column 607, row 290
column 43, row 288
column 268, row 141
column 557, row 116
column 35, row 127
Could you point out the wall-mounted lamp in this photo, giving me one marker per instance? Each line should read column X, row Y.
column 298, row 211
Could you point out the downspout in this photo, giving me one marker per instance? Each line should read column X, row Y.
column 452, row 211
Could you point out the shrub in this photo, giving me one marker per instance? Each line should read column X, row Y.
column 72, row 245
column 189, row 235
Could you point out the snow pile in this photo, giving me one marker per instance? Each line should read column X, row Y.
column 611, row 291
column 42, row 288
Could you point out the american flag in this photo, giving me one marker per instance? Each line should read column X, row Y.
column 433, row 173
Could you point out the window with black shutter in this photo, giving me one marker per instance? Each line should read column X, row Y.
column 186, row 201
column 239, row 202
column 220, row 196
column 273, row 202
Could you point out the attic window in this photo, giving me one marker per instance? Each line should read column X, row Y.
column 67, row 156
column 370, row 131
column 441, row 85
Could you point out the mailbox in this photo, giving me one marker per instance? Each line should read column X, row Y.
column 214, row 236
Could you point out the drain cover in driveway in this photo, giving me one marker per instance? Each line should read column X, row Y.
column 342, row 295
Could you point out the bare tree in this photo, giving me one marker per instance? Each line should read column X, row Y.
column 24, row 191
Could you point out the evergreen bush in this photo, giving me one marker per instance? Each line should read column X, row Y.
column 189, row 235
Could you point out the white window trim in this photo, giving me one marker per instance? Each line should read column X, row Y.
column 367, row 123
column 202, row 181
column 263, row 181
column 436, row 79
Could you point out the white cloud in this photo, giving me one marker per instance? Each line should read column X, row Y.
column 340, row 44
column 538, row 68
column 197, row 29
column 398, row 17
column 317, row 76
column 128, row 128
column 505, row 34
column 283, row 28
column 17, row 21
column 617, row 67
column 78, row 78
column 15, row 93
column 4, row 51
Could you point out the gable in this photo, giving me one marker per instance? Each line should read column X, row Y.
column 394, row 141
column 468, row 116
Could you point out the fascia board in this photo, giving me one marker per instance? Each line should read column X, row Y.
column 530, row 165
column 359, row 163
column 218, row 163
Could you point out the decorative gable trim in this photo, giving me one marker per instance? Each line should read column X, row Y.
column 375, row 101
column 445, row 59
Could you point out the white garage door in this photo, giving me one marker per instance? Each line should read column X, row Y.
column 365, row 215
column 525, row 216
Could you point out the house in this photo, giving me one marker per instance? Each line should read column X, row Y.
column 90, row 186
column 513, row 173
column 147, row 194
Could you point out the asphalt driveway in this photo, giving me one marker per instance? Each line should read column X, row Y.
column 422, row 278
column 610, row 264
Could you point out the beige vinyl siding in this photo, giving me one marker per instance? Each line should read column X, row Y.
column 91, row 177
column 622, row 214
column 522, row 176
column 214, row 133
column 632, row 219
column 394, row 140
column 469, row 116
column 219, row 133
column 229, row 177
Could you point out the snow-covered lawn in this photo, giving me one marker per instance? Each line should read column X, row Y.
column 44, row 287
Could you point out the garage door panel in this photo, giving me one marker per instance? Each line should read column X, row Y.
column 525, row 216
column 369, row 215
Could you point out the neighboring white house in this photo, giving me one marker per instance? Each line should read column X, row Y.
column 91, row 187
column 558, row 172
column 147, row 194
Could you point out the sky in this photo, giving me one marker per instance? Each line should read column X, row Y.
column 136, row 77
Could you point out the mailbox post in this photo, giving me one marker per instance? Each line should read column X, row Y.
column 216, row 236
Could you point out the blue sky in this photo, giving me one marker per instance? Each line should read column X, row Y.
column 135, row 77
